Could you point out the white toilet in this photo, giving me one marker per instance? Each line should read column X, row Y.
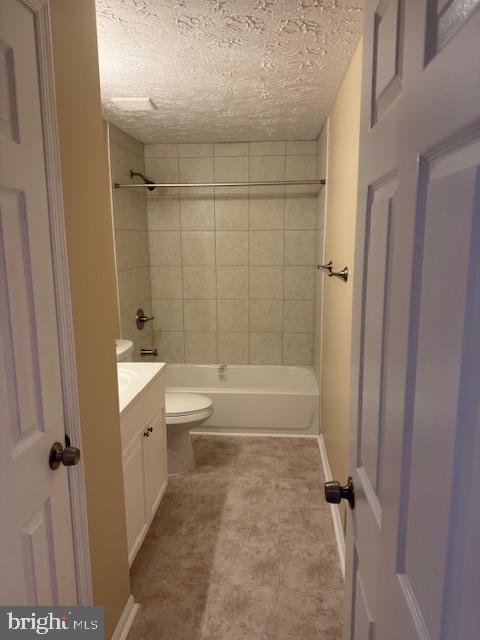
column 183, row 412
column 123, row 350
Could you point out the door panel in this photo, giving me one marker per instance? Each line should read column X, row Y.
column 25, row 404
column 443, row 21
column 37, row 544
column 387, row 57
column 155, row 462
column 8, row 99
column 450, row 219
column 364, row 626
column 416, row 345
column 39, row 562
column 134, row 488
column 379, row 227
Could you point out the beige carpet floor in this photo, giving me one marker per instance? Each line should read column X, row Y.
column 242, row 548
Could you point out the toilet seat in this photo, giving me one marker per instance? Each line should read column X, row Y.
column 181, row 407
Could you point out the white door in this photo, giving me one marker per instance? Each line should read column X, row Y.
column 413, row 565
column 36, row 547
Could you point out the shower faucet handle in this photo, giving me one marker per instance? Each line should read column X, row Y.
column 141, row 319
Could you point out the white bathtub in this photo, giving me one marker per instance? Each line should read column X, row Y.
column 263, row 399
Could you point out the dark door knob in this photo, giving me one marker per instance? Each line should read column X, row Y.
column 68, row 456
column 334, row 492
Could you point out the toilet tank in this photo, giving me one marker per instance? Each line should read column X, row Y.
column 124, row 350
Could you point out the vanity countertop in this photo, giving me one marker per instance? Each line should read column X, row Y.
column 134, row 378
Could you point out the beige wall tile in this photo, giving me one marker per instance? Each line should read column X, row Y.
column 165, row 248
column 232, row 247
column 298, row 349
column 265, row 348
column 161, row 151
column 277, row 148
column 301, row 212
column 299, row 247
column 120, row 137
column 267, row 168
column 301, row 168
column 266, row 283
column 131, row 249
column 233, row 348
column 168, row 315
column 232, row 282
column 140, row 284
column 224, row 250
column 129, row 210
column 197, row 214
column 166, row 282
column 170, row 345
column 266, row 213
column 199, row 282
column 299, row 283
column 201, row 348
column 230, row 149
column 200, row 315
column 232, row 315
column 195, row 150
column 198, row 247
column 196, row 169
column 162, row 169
column 302, row 147
column 163, row 214
column 298, row 316
column 231, row 169
column 231, row 213
column 266, row 315
column 266, row 247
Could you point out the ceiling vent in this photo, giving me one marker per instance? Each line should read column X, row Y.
column 134, row 104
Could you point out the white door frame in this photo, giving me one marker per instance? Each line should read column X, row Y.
column 41, row 13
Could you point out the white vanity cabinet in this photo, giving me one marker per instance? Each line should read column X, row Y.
column 144, row 455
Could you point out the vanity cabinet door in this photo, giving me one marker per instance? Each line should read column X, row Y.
column 134, row 487
column 155, row 455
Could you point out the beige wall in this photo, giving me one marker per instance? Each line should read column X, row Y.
column 94, row 299
column 341, row 203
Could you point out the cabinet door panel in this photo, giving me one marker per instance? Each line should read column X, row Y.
column 134, row 487
column 155, row 463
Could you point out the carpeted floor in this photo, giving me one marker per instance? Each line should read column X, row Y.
column 242, row 548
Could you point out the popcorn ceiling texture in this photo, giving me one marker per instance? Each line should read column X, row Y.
column 225, row 70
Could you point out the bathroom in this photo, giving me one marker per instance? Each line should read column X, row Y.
column 220, row 264
column 223, row 230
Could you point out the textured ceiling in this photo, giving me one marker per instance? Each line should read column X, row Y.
column 220, row 70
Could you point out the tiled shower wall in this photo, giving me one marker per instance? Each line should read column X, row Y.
column 131, row 239
column 232, row 270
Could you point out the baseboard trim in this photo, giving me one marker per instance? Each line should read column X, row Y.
column 252, row 435
column 337, row 520
column 126, row 620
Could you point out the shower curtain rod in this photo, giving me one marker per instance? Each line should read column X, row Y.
column 152, row 185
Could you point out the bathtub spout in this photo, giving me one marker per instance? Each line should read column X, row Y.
column 222, row 372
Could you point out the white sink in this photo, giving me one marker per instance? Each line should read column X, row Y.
column 125, row 379
column 134, row 378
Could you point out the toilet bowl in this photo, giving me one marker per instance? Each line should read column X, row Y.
column 183, row 412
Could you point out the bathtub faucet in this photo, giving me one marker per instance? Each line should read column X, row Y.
column 222, row 372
